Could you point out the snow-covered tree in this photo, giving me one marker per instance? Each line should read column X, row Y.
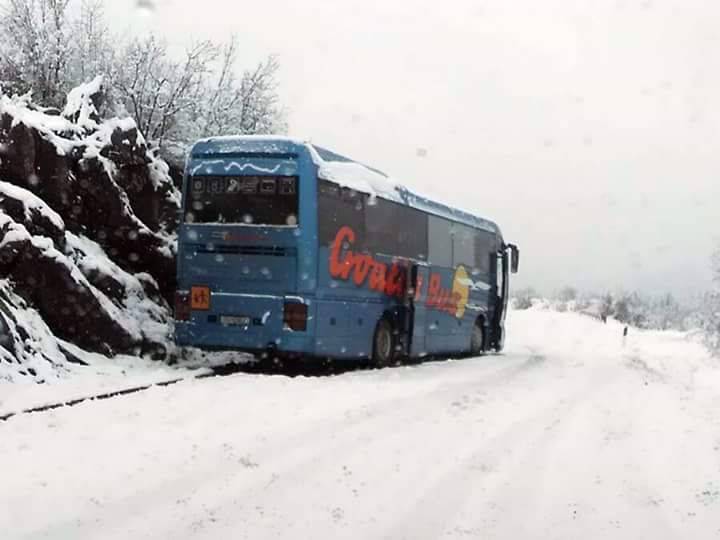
column 46, row 50
column 522, row 298
column 35, row 49
column 158, row 91
column 606, row 305
column 567, row 294
column 666, row 313
column 198, row 96
column 249, row 105
column 710, row 315
column 93, row 52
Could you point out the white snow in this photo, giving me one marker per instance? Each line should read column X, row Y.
column 37, row 352
column 569, row 434
column 348, row 174
column 47, row 125
column 102, row 137
column 257, row 138
column 130, row 321
column 356, row 176
column 140, row 315
column 100, row 375
column 31, row 203
column 79, row 102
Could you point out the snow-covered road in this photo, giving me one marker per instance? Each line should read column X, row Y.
column 568, row 435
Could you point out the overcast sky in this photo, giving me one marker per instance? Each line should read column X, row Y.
column 588, row 130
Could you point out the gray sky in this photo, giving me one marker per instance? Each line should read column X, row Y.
column 588, row 130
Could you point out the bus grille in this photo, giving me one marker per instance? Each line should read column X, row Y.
column 273, row 251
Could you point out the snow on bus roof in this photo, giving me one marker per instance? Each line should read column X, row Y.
column 343, row 171
column 354, row 175
column 360, row 177
column 331, row 166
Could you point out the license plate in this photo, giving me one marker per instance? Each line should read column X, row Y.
column 233, row 320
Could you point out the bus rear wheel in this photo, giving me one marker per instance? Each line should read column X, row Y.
column 384, row 344
column 477, row 340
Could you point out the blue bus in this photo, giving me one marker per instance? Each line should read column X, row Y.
column 288, row 249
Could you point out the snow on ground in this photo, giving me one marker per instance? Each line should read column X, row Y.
column 98, row 376
column 569, row 434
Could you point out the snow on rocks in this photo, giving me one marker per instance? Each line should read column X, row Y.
column 24, row 207
column 29, row 351
column 87, row 221
column 83, row 103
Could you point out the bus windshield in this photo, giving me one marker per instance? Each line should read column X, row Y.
column 249, row 200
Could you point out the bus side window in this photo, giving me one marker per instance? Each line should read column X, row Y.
column 485, row 250
column 396, row 230
column 381, row 227
column 337, row 208
column 440, row 241
column 412, row 233
column 464, row 246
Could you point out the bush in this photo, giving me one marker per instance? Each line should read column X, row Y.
column 523, row 299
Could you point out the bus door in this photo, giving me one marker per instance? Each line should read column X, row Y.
column 504, row 290
column 507, row 262
column 419, row 278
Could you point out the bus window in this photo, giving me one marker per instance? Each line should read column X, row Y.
column 412, row 233
column 257, row 200
column 485, row 249
column 397, row 230
column 439, row 241
column 380, row 225
column 464, row 246
column 338, row 207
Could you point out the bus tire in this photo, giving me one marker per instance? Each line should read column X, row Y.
column 384, row 351
column 477, row 339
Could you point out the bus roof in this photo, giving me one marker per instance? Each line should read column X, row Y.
column 336, row 168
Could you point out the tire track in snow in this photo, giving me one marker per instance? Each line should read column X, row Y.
column 300, row 451
column 438, row 512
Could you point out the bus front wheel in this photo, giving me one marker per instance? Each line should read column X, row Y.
column 384, row 344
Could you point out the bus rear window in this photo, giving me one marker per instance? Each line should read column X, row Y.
column 250, row 200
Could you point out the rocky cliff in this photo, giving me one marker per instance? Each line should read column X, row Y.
column 87, row 245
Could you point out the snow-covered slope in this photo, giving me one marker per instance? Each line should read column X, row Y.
column 86, row 238
column 569, row 434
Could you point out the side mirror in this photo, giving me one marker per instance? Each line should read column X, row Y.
column 514, row 258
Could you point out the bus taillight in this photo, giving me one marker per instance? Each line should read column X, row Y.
column 182, row 306
column 295, row 316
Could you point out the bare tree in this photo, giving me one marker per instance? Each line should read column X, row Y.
column 93, row 52
column 260, row 111
column 248, row 106
column 158, row 91
column 224, row 97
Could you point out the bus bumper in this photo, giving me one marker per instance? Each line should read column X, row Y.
column 202, row 337
column 243, row 323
